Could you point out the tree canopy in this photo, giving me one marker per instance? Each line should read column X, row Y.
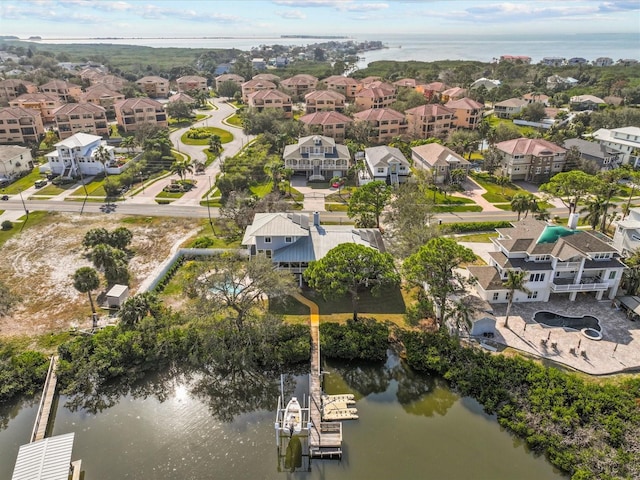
column 368, row 202
column 569, row 187
column 350, row 268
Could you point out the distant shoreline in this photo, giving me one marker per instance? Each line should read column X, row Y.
column 302, row 37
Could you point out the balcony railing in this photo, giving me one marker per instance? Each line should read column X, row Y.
column 580, row 287
column 568, row 265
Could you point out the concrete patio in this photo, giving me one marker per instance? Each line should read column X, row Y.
column 618, row 351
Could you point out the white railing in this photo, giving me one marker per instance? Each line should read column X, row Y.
column 580, row 287
column 568, row 265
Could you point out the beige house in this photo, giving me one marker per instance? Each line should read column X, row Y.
column 375, row 97
column 190, row 83
column 14, row 161
column 64, row 90
column 182, row 97
column 271, row 99
column 154, row 86
column 133, row 112
column 330, row 124
column 102, row 96
column 537, row 98
column 468, row 112
column 370, row 81
column 453, row 93
column 439, row 161
column 229, row 77
column 428, row 121
column 300, row 84
column 254, row 86
column 324, row 100
column 385, row 123
column 269, row 77
column 345, row 85
column 317, row 157
column 81, row 117
column 20, row 125
column 45, row 103
column 12, row 88
column 407, row 83
column 510, row 107
column 531, row 159
column 112, row 82
column 431, row 90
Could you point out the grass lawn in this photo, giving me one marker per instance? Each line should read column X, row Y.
column 23, row 183
column 440, row 199
column 261, row 189
column 336, row 207
column 318, row 184
column 91, row 188
column 34, row 219
column 234, row 120
column 388, row 305
column 477, row 237
column 496, row 193
column 495, row 121
column 173, row 195
column 293, row 194
column 456, row 208
column 225, row 136
column 507, row 206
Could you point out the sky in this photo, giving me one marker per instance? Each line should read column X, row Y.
column 196, row 18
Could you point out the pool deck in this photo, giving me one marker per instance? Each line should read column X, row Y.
column 618, row 351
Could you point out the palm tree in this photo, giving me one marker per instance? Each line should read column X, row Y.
column 274, row 170
column 129, row 143
column 137, row 307
column 103, row 155
column 595, row 211
column 457, row 175
column 515, row 282
column 181, row 168
column 287, row 173
column 503, row 181
column 86, row 280
column 215, row 145
column 523, row 202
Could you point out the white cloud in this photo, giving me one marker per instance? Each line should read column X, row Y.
column 292, row 15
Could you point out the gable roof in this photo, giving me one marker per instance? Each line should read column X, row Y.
column 79, row 108
column 464, row 104
column 324, row 118
column 433, row 154
column 378, row 114
column 381, row 156
column 529, row 146
column 430, row 110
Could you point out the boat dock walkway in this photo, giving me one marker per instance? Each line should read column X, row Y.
column 325, row 438
column 46, row 402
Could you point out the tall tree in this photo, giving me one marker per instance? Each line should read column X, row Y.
column 523, row 202
column 138, row 307
column 86, row 280
column 103, row 155
column 215, row 145
column 181, row 168
column 433, row 264
column 493, row 159
column 607, row 187
column 351, row 268
column 129, row 143
column 569, row 187
column 113, row 262
column 594, row 209
column 179, row 110
column 274, row 169
column 515, row 282
column 409, row 219
column 368, row 202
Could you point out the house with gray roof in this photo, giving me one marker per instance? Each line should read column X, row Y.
column 317, row 157
column 386, row 164
column 292, row 240
column 604, row 157
column 559, row 262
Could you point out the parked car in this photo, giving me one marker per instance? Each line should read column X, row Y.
column 40, row 183
column 5, row 197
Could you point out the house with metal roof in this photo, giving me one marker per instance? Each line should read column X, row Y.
column 292, row 240
column 76, row 155
column 558, row 260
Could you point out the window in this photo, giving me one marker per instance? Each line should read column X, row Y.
column 613, row 275
column 532, row 295
column 268, row 253
column 496, row 295
column 288, row 239
column 536, row 277
column 267, row 239
column 601, row 256
column 380, row 170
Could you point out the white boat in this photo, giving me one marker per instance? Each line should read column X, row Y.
column 293, row 417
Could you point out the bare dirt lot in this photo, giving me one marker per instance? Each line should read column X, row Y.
column 38, row 264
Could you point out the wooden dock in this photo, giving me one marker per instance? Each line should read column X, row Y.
column 46, row 402
column 325, row 438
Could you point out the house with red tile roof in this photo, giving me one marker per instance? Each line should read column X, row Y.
column 74, row 118
column 427, row 121
column 13, row 87
column 347, row 86
column 468, row 112
column 133, row 112
column 271, row 99
column 229, row 77
column 384, row 124
column 20, row 125
column 531, row 159
column 45, row 103
column 453, row 93
column 103, row 96
column 154, row 86
column 190, row 83
column 300, row 84
column 255, row 85
column 329, row 124
column 375, row 97
column 64, row 90
column 322, row 100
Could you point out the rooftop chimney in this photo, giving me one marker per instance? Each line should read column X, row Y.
column 573, row 221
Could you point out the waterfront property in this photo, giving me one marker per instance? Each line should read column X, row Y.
column 559, row 262
column 47, row 459
column 76, row 155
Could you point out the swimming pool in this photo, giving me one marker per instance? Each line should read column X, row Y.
column 550, row 319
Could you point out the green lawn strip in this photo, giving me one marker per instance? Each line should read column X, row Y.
column 526, row 131
column 34, row 219
column 336, row 207
column 318, row 184
column 293, row 194
column 477, row 237
column 91, row 187
column 342, row 197
column 214, row 202
column 507, row 206
column 172, row 195
column 52, row 190
column 234, row 120
column 456, row 208
column 496, row 193
column 261, row 189
column 439, row 198
column 23, row 183
column 225, row 136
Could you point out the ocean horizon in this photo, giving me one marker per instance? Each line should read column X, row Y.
column 418, row 47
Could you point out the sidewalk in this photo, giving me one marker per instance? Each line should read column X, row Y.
column 474, row 192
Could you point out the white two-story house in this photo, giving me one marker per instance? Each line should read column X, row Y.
column 386, row 164
column 76, row 156
column 317, row 157
column 626, row 239
column 625, row 140
column 560, row 262
column 292, row 240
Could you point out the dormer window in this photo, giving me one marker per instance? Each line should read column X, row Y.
column 601, row 256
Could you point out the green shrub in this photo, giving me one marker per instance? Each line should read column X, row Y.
column 466, row 227
column 363, row 339
column 203, row 242
column 7, row 225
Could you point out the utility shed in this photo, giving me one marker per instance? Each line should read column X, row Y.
column 480, row 314
column 48, row 459
column 117, row 295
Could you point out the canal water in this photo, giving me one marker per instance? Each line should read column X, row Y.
column 177, row 427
